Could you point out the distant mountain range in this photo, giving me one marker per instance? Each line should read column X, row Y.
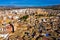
column 54, row 7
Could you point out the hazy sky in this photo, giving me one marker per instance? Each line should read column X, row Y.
column 29, row 2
